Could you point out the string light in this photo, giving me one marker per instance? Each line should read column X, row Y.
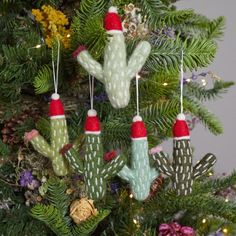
column 226, row 200
column 38, row 46
column 68, row 35
column 165, row 84
column 204, row 83
column 131, row 195
column 188, row 80
column 204, row 221
column 135, row 221
column 225, row 230
column 210, row 174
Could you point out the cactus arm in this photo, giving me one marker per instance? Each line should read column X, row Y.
column 73, row 158
column 41, row 146
column 113, row 167
column 138, row 59
column 163, row 164
column 153, row 174
column 89, row 64
column 126, row 173
column 204, row 165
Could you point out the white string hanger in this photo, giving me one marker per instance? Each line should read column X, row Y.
column 91, row 90
column 56, row 70
column 137, row 93
column 181, row 81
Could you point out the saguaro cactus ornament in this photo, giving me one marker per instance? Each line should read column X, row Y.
column 95, row 170
column 59, row 137
column 140, row 175
column 181, row 170
column 116, row 73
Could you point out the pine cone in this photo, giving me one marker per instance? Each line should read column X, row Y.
column 9, row 130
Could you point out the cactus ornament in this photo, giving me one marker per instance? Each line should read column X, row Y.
column 140, row 175
column 59, row 137
column 116, row 73
column 181, row 170
column 93, row 167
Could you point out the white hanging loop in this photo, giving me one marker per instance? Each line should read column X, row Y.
column 137, row 94
column 56, row 73
column 91, row 90
column 181, row 81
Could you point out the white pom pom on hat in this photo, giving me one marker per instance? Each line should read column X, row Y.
column 55, row 96
column 92, row 113
column 113, row 9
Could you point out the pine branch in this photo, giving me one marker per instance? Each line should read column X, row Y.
column 43, row 80
column 4, row 149
column 207, row 118
column 52, row 218
column 203, row 94
column 85, row 228
column 58, row 197
column 166, row 54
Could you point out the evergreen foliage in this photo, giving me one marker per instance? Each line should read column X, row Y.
column 26, row 71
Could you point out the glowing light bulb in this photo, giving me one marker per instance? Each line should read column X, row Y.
column 226, row 200
column 210, row 174
column 131, row 195
column 165, row 84
column 135, row 221
column 204, row 82
column 188, row 80
column 68, row 35
column 38, row 46
column 225, row 230
column 204, row 221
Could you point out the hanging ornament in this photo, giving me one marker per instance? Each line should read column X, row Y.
column 181, row 170
column 58, row 126
column 95, row 169
column 81, row 210
column 140, row 175
column 116, row 73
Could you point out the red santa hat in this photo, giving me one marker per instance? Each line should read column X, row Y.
column 92, row 123
column 56, row 109
column 180, row 128
column 138, row 129
column 112, row 21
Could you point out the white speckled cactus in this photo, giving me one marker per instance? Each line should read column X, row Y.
column 59, row 137
column 116, row 73
column 181, row 170
column 95, row 170
column 141, row 175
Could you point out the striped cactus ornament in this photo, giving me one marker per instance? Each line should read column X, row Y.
column 181, row 171
column 59, row 137
column 116, row 73
column 140, row 175
column 95, row 170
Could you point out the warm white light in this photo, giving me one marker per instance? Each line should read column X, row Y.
column 38, row 46
column 225, row 230
column 68, row 35
column 131, row 195
column 204, row 82
column 226, row 199
column 204, row 221
column 188, row 80
column 165, row 84
column 210, row 174
column 135, row 221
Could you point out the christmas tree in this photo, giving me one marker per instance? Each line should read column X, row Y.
column 95, row 166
